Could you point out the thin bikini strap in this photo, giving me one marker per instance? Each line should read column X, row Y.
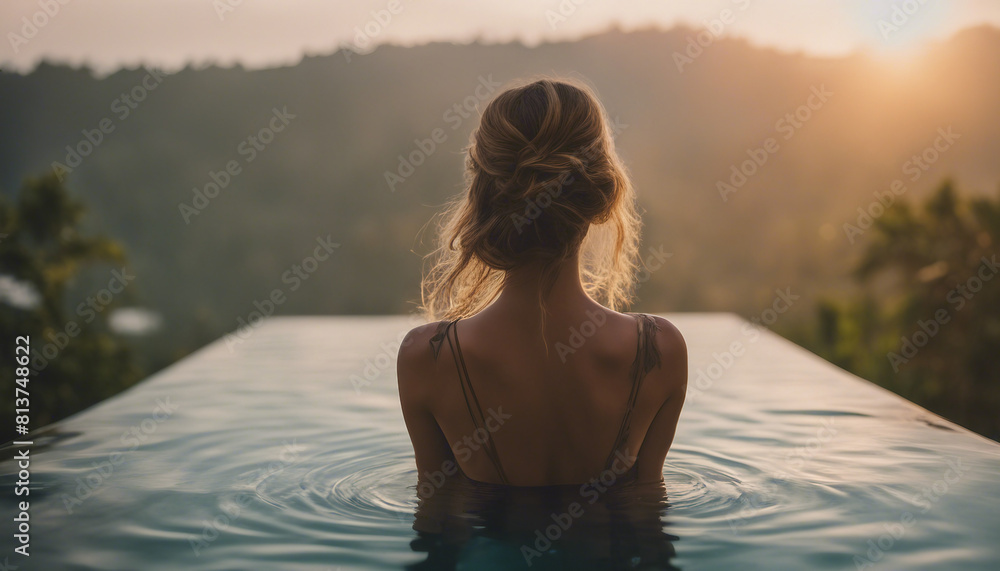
column 489, row 446
column 646, row 357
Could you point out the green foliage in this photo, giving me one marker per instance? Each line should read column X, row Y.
column 927, row 324
column 41, row 247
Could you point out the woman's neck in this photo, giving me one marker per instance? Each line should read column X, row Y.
column 523, row 285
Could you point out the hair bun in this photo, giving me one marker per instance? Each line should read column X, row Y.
column 541, row 170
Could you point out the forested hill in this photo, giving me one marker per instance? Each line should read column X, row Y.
column 361, row 149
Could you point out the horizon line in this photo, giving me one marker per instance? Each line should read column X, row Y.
column 98, row 72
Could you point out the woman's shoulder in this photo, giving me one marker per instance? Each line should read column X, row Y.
column 422, row 342
column 667, row 335
column 416, row 359
column 671, row 349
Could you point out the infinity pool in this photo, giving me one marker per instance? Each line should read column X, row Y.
column 288, row 452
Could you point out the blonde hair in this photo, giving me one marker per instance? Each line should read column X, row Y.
column 543, row 183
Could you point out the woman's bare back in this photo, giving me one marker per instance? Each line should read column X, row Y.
column 553, row 413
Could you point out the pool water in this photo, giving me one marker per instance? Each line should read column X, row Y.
column 288, row 451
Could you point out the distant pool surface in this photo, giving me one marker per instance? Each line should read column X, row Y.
column 289, row 452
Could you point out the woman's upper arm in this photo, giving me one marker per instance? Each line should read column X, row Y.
column 415, row 370
column 672, row 376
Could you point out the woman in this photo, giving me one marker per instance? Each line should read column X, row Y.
column 531, row 378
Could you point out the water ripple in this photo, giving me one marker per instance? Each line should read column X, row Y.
column 375, row 488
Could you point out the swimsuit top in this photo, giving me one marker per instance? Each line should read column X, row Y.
column 647, row 356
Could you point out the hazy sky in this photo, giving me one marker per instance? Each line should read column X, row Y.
column 108, row 34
